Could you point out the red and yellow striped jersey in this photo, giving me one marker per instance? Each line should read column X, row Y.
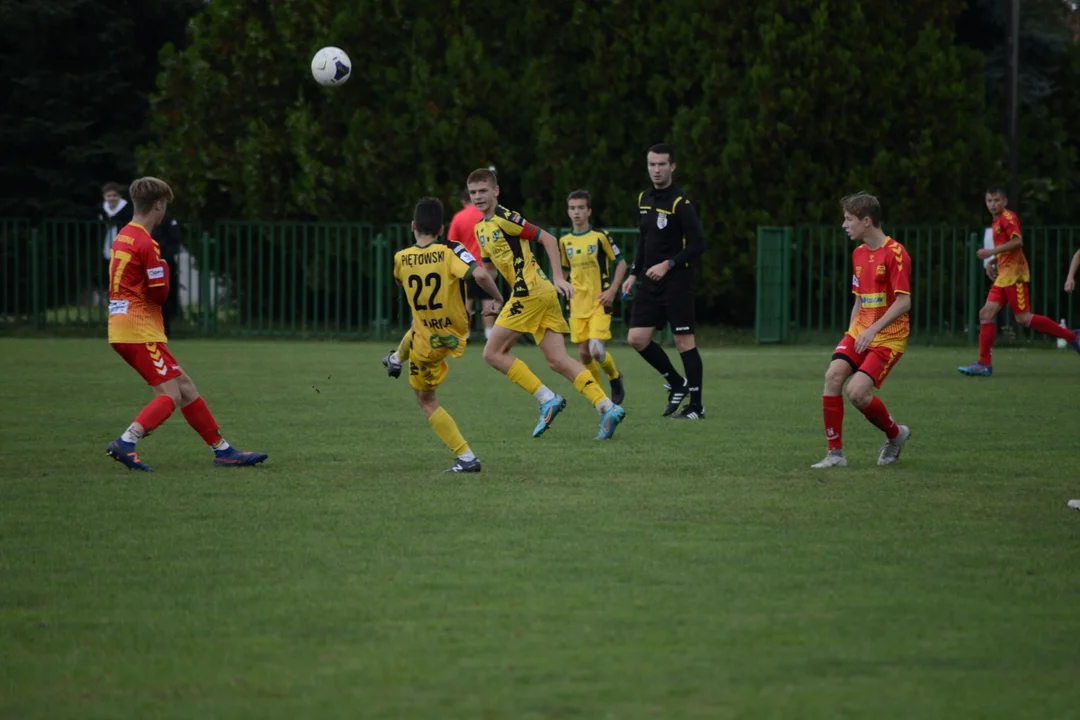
column 879, row 276
column 138, row 285
column 1012, row 266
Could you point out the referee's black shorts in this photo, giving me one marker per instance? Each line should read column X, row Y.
column 669, row 301
column 475, row 291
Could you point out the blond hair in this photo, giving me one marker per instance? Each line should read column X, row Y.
column 146, row 191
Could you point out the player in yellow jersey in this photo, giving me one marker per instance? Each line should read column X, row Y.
column 588, row 255
column 432, row 275
column 533, row 307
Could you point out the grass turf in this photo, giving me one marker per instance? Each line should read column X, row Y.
column 679, row 570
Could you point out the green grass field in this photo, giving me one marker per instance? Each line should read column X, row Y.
column 696, row 570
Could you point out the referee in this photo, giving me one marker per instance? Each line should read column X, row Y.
column 668, row 247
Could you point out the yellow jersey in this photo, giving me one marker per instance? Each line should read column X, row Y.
column 433, row 278
column 504, row 240
column 590, row 259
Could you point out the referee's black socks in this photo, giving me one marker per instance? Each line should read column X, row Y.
column 691, row 360
column 655, row 356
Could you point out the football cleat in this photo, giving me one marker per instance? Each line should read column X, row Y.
column 833, row 458
column 618, row 392
column 464, row 466
column 675, row 398
column 1075, row 344
column 237, row 458
column 609, row 421
column 548, row 411
column 124, row 453
column 1074, row 504
column 690, row 412
column 976, row 369
column 890, row 451
column 392, row 365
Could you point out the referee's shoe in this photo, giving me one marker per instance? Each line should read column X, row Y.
column 675, row 398
column 690, row 412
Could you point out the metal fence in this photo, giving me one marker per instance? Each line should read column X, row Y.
column 804, row 281
column 235, row 278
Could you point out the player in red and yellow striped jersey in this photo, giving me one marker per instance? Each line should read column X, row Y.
column 878, row 334
column 138, row 285
column 1010, row 285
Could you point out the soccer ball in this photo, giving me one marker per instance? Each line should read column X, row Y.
column 331, row 66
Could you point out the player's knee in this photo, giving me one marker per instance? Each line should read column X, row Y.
column 584, row 356
column 596, row 350
column 638, row 341
column 492, row 354
column 1023, row 318
column 987, row 313
column 858, row 394
column 834, row 378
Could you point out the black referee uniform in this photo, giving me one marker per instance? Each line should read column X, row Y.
column 670, row 232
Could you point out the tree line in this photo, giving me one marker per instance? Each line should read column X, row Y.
column 777, row 108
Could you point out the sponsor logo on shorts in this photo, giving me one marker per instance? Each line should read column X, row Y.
column 682, row 328
column 516, row 307
column 118, row 307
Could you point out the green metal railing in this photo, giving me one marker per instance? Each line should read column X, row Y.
column 804, row 281
column 235, row 278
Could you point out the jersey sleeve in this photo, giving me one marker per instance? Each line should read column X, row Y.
column 854, row 277
column 1012, row 226
column 462, row 262
column 157, row 271
column 900, row 271
column 397, row 268
column 514, row 225
column 608, row 246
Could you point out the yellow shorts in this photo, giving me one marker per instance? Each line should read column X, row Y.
column 427, row 359
column 595, row 327
column 535, row 314
column 427, row 376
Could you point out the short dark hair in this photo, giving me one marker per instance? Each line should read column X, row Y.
column 664, row 149
column 112, row 187
column 998, row 190
column 464, row 197
column 482, row 175
column 146, row 191
column 580, row 195
column 863, row 205
column 428, row 216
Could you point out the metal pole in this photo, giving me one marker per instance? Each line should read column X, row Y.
column 1012, row 101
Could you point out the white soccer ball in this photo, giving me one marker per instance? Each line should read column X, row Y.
column 331, row 66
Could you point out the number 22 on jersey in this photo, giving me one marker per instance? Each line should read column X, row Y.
column 418, row 283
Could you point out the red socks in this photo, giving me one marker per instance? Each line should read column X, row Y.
column 987, row 335
column 156, row 412
column 832, row 407
column 1043, row 324
column 876, row 413
column 198, row 416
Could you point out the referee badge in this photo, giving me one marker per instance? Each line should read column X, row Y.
column 661, row 220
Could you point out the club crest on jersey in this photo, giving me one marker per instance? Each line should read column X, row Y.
column 569, row 252
column 881, row 271
column 661, row 220
column 592, row 250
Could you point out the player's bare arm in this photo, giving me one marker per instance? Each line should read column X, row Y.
column 486, row 281
column 607, row 297
column 551, row 245
column 1070, row 279
column 900, row 305
column 492, row 307
column 1013, row 244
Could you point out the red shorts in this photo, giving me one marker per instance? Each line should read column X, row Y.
column 1015, row 296
column 876, row 362
column 151, row 360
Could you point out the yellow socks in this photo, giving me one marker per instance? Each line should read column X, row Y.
column 523, row 377
column 590, row 388
column 445, row 427
column 594, row 369
column 405, row 347
column 608, row 366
